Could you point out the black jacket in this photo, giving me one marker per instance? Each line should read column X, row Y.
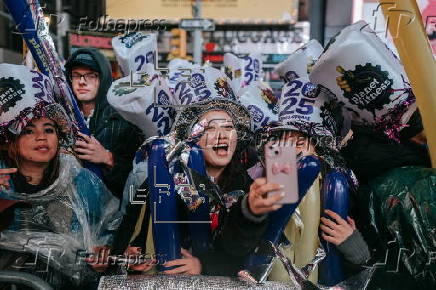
column 109, row 128
column 380, row 204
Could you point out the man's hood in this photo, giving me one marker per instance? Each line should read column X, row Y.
column 105, row 73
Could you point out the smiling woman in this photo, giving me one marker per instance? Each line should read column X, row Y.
column 34, row 150
column 218, row 142
column 216, row 188
column 70, row 209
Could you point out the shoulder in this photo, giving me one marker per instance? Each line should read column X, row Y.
column 110, row 118
column 70, row 165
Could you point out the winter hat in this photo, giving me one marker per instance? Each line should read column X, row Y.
column 82, row 59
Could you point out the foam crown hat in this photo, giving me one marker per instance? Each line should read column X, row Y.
column 177, row 69
column 26, row 94
column 144, row 99
column 255, row 95
column 207, row 89
column 367, row 78
column 202, row 83
column 261, row 102
column 294, row 67
column 134, row 50
column 303, row 106
column 243, row 71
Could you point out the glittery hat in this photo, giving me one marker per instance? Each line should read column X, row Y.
column 188, row 125
column 24, row 95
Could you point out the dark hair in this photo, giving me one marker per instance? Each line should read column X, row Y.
column 11, row 157
column 234, row 176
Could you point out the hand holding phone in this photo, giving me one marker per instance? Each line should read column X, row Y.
column 281, row 168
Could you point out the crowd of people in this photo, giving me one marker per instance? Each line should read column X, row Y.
column 189, row 149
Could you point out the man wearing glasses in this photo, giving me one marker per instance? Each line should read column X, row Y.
column 113, row 141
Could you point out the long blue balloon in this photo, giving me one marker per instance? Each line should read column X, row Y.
column 163, row 205
column 259, row 264
column 22, row 15
column 335, row 194
column 20, row 11
column 199, row 227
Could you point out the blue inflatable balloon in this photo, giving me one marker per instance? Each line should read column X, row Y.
column 199, row 228
column 335, row 193
column 163, row 205
column 259, row 264
column 26, row 26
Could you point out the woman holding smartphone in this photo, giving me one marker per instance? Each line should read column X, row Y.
column 70, row 210
column 237, row 205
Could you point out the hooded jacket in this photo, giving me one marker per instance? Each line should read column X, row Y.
column 107, row 126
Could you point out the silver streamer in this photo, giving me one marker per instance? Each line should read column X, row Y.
column 319, row 256
column 181, row 282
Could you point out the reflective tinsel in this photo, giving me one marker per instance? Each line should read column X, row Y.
column 180, row 282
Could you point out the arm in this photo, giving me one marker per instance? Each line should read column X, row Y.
column 115, row 147
column 242, row 227
column 123, row 153
column 240, row 232
column 346, row 237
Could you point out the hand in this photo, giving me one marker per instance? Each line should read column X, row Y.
column 189, row 265
column 258, row 202
column 136, row 251
column 91, row 150
column 4, row 177
column 99, row 260
column 336, row 232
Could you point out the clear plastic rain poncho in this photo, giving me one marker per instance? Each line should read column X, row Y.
column 64, row 223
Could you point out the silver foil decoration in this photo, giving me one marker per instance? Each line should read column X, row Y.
column 181, row 282
column 319, row 256
column 297, row 276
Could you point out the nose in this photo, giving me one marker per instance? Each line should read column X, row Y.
column 223, row 134
column 40, row 135
column 82, row 80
